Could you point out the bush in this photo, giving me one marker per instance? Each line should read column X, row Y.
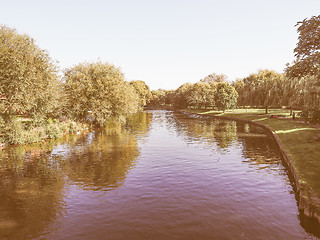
column 14, row 131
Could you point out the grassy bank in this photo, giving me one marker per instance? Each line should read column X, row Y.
column 19, row 130
column 300, row 141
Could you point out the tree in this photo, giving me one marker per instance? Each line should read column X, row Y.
column 98, row 90
column 28, row 77
column 181, row 96
column 307, row 51
column 143, row 91
column 201, row 94
column 306, row 67
column 214, row 78
column 262, row 89
column 157, row 97
column 225, row 96
column 242, row 91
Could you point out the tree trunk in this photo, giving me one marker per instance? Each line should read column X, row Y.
column 266, row 109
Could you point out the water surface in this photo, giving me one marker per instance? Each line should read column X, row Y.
column 165, row 176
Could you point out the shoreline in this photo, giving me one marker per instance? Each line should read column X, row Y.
column 307, row 200
column 47, row 131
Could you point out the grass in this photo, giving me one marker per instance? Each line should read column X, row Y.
column 297, row 137
column 20, row 130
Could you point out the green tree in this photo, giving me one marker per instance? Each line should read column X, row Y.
column 201, row 94
column 263, row 89
column 98, row 90
column 225, row 96
column 307, row 50
column 306, row 68
column 181, row 96
column 242, row 91
column 143, row 91
column 28, row 76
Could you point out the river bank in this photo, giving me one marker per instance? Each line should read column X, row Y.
column 26, row 130
column 299, row 145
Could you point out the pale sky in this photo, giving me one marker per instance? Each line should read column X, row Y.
column 164, row 42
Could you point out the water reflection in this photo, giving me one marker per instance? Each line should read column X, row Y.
column 61, row 190
column 259, row 149
column 103, row 164
column 33, row 178
column 31, row 190
column 215, row 132
column 261, row 152
column 103, row 159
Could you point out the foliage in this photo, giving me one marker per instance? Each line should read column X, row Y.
column 198, row 95
column 225, row 96
column 98, row 90
column 307, row 50
column 202, row 94
column 28, row 77
column 214, row 78
column 157, row 97
column 264, row 88
column 181, row 96
column 143, row 91
column 20, row 131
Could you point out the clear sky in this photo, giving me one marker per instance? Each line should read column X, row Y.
column 164, row 42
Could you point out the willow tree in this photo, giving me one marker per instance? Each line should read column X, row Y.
column 28, row 76
column 263, row 88
column 98, row 90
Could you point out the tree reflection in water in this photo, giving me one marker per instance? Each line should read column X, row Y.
column 33, row 177
column 206, row 130
column 104, row 159
column 31, row 190
column 258, row 148
column 103, row 164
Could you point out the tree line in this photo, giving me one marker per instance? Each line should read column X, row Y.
column 30, row 85
column 213, row 91
column 298, row 87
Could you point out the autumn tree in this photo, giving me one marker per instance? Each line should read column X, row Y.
column 28, row 76
column 98, row 90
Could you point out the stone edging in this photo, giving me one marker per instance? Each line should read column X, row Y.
column 308, row 201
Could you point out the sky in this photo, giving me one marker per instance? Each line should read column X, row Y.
column 164, row 42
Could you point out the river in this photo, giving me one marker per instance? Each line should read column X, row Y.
column 166, row 175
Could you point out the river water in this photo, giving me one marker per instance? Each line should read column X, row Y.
column 165, row 175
